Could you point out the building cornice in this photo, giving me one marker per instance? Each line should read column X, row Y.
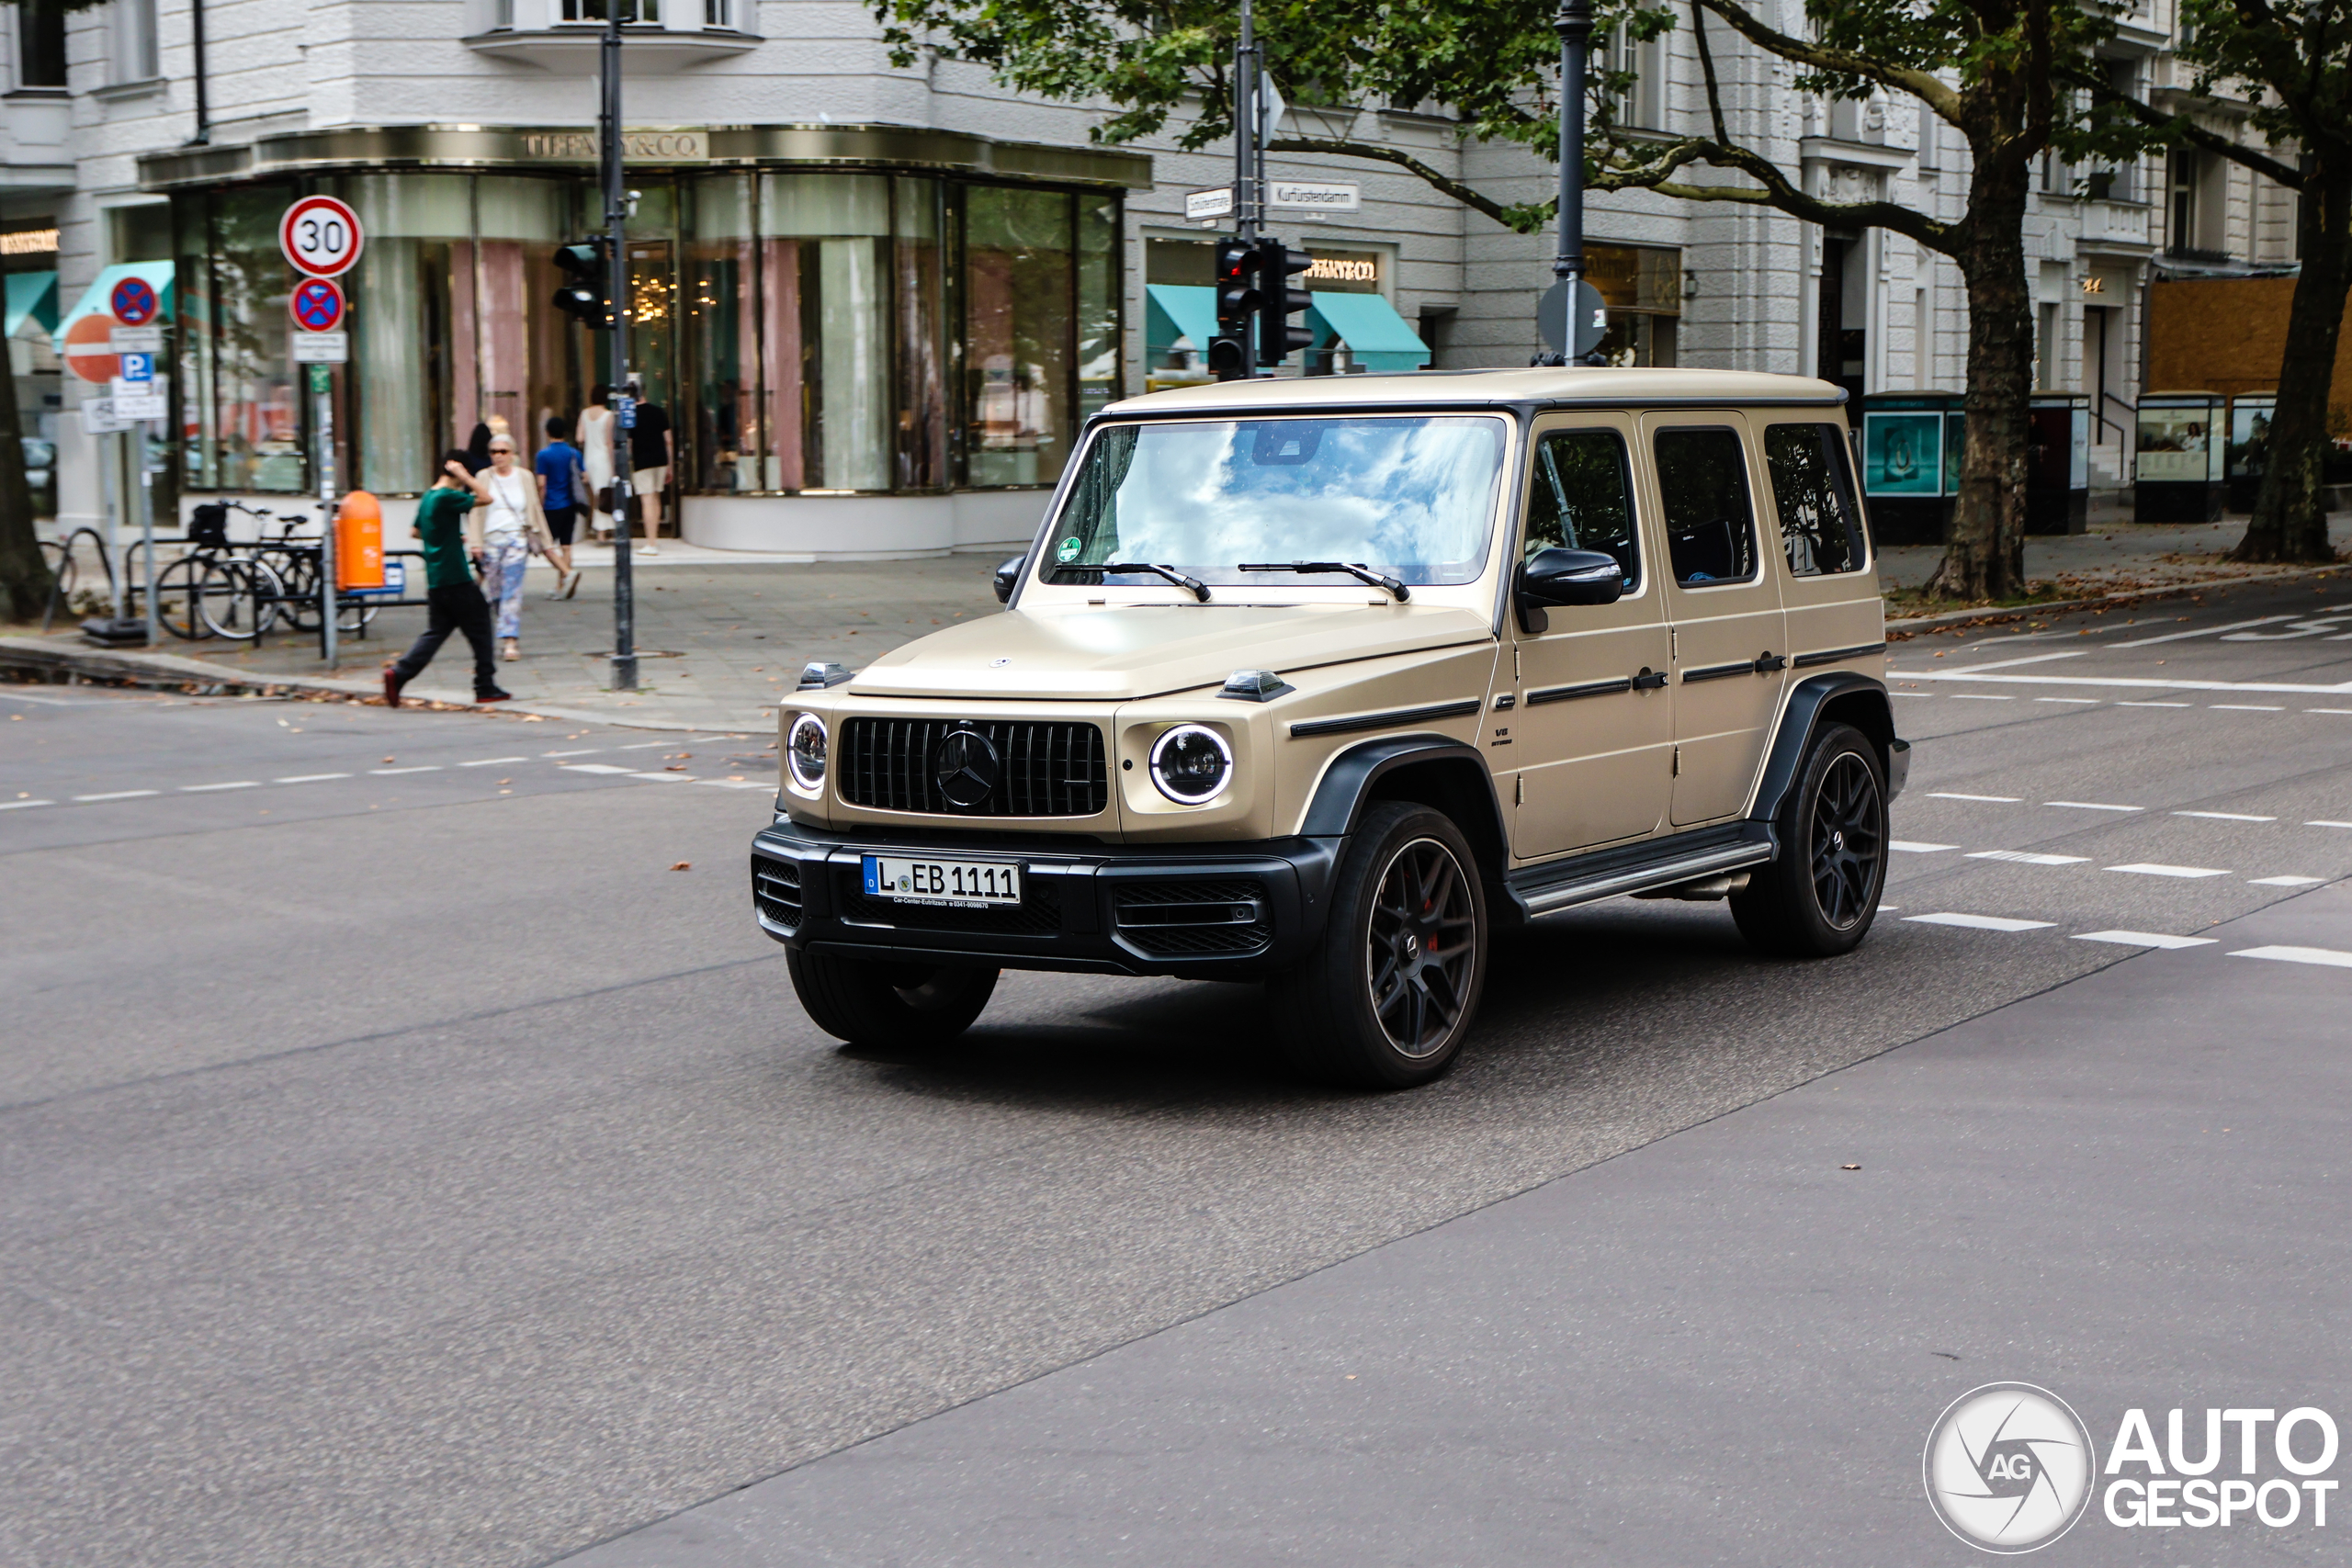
column 573, row 149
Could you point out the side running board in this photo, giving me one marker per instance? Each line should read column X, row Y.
column 1640, row 868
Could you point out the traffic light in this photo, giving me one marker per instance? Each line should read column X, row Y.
column 1279, row 300
column 1237, row 300
column 585, row 296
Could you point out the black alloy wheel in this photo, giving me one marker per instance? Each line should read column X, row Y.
column 1818, row 896
column 1420, row 952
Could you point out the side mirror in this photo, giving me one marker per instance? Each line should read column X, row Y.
column 1571, row 576
column 1008, row 577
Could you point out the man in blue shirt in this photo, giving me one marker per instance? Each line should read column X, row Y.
column 563, row 490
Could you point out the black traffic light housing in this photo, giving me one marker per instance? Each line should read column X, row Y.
column 1279, row 300
column 586, row 295
column 1237, row 301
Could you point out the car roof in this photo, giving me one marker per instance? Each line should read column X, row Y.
column 1421, row 388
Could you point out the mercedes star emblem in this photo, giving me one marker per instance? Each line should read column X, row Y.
column 965, row 767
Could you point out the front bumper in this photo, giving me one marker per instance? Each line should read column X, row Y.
column 1231, row 911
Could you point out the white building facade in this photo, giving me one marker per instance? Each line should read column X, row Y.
column 879, row 301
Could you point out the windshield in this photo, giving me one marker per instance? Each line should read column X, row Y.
column 1411, row 496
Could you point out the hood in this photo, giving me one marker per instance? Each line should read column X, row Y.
column 1141, row 650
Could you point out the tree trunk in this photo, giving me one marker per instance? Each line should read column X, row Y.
column 1984, row 554
column 2290, row 521
column 24, row 575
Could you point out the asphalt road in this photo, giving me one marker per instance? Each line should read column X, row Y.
column 408, row 1166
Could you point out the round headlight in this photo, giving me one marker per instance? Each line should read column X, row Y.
column 1191, row 764
column 804, row 751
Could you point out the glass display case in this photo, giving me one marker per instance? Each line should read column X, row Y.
column 1910, row 463
column 2247, row 454
column 2177, row 464
column 2058, row 473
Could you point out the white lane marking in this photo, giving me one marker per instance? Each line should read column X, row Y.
column 1981, row 922
column 591, row 768
column 2328, row 710
column 2286, row 881
column 2244, row 707
column 117, row 795
column 2140, row 683
column 2027, row 857
column 2206, row 631
column 2092, row 701
column 420, row 768
column 2125, row 705
column 206, row 789
column 1931, row 694
column 491, row 762
column 2143, row 868
column 310, row 778
column 20, row 804
column 2298, row 955
column 2144, row 939
column 1979, row 697
column 2323, row 822
column 584, row 751
column 44, row 702
column 2092, row 805
column 2031, row 659
column 664, row 778
column 647, row 745
column 1999, row 799
column 1913, row 846
column 2225, row 816
column 752, row 784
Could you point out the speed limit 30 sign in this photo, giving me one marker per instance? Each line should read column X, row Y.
column 320, row 236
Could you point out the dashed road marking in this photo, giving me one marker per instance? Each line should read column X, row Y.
column 2092, row 805
column 207, row 789
column 2206, row 631
column 2123, row 705
column 310, row 778
column 739, row 783
column 591, row 768
column 20, row 804
column 584, row 751
column 663, row 778
column 2225, row 816
column 420, row 768
column 2327, row 957
column 2027, row 857
column 2323, row 822
column 117, row 795
column 1914, row 847
column 648, row 745
column 2244, row 707
column 2144, row 939
column 2144, row 868
column 1995, row 799
column 2092, row 701
column 2328, row 710
column 491, row 762
column 1981, row 922
column 2286, row 881
column 1978, row 697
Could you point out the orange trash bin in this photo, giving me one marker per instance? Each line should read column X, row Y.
column 359, row 542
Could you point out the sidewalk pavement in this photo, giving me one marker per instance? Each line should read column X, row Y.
column 719, row 635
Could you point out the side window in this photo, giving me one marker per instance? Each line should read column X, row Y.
column 1710, row 528
column 1581, row 498
column 1813, row 485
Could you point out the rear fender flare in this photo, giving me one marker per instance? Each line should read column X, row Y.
column 1842, row 697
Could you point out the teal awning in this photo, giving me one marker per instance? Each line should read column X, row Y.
column 1176, row 310
column 94, row 298
column 31, row 294
column 1377, row 336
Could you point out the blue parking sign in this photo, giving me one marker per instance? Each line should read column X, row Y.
column 137, row 367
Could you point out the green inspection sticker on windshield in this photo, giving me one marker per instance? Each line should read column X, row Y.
column 1068, row 551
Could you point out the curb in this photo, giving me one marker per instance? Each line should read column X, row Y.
column 1995, row 613
column 171, row 670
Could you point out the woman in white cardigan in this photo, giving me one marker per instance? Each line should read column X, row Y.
column 513, row 529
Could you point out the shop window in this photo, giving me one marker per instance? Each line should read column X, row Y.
column 1098, row 303
column 919, row 256
column 1020, row 301
column 1642, row 286
column 729, row 435
column 241, row 422
column 826, row 243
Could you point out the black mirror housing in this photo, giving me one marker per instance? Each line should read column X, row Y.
column 1570, row 576
column 1008, row 577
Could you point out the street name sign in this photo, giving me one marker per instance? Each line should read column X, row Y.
column 1217, row 203
column 1327, row 196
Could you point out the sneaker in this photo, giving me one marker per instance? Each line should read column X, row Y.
column 573, row 586
column 494, row 695
column 392, row 684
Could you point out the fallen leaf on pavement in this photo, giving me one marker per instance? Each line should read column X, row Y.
column 684, row 865
column 1849, row 1167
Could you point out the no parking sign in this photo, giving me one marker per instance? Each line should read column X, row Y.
column 134, row 302
column 316, row 304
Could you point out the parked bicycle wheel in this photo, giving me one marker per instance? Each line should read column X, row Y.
column 179, row 597
column 240, row 599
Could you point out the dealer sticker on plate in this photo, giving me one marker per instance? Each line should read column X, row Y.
column 958, row 884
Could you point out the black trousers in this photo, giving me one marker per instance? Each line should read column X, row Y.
column 459, row 608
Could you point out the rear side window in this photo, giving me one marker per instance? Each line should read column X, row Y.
column 1581, row 498
column 1813, row 485
column 1710, row 528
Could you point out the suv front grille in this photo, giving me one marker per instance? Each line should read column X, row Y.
column 775, row 889
column 1039, row 913
column 1179, row 920
column 1053, row 768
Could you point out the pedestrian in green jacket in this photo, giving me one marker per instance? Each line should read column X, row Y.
column 453, row 552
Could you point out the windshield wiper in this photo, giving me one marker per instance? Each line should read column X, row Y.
column 1396, row 590
column 1200, row 590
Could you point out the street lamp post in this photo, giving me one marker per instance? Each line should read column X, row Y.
column 616, row 260
column 1567, row 296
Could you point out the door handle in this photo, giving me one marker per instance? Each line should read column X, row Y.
column 1649, row 680
column 1768, row 662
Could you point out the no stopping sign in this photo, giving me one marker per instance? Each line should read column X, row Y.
column 320, row 236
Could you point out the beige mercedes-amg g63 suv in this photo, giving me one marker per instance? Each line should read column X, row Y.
column 1322, row 682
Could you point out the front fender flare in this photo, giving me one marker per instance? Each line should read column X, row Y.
column 1348, row 782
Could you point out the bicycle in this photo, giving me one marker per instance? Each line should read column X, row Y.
column 218, row 589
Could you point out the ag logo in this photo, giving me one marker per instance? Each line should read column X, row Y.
column 2009, row 1468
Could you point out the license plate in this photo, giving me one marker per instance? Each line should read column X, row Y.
column 956, row 884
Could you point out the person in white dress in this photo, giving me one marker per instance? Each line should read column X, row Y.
column 594, row 430
column 514, row 531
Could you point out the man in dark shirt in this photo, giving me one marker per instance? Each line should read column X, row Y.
column 650, row 451
column 453, row 600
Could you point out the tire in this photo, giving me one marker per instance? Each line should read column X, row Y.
column 238, row 599
column 897, row 1006
column 1817, row 900
column 1385, row 1000
column 179, row 598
